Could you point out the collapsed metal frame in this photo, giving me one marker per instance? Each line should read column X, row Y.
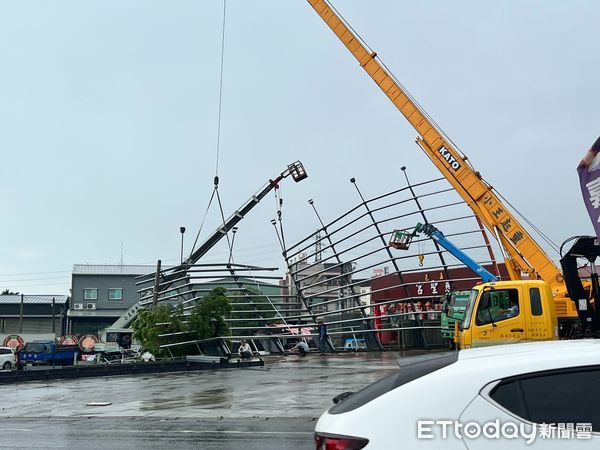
column 179, row 273
column 244, row 284
column 313, row 281
column 329, row 287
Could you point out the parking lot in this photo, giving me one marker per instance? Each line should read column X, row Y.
column 274, row 406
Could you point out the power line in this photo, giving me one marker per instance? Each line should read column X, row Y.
column 18, row 286
column 21, row 280
column 32, row 273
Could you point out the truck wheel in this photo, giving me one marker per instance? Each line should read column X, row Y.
column 6, row 366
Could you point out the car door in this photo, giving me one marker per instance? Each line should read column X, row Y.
column 3, row 357
column 538, row 323
column 500, row 317
column 6, row 355
column 482, row 412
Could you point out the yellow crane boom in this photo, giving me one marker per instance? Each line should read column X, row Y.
column 525, row 255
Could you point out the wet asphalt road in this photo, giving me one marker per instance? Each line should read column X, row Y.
column 272, row 407
column 155, row 433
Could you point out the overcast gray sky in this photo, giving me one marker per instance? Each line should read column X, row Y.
column 108, row 118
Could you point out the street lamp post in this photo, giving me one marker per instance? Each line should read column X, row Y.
column 182, row 231
column 233, row 231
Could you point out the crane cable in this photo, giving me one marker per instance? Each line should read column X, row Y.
column 279, row 203
column 203, row 220
column 216, row 179
column 547, row 239
column 553, row 245
column 219, row 128
column 224, row 225
column 422, row 110
column 221, row 87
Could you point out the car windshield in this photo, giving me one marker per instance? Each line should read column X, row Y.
column 469, row 308
column 36, row 347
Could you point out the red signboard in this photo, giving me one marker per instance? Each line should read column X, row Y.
column 430, row 285
column 68, row 339
column 87, row 342
column 14, row 341
column 423, row 289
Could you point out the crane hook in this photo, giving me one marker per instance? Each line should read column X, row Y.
column 421, row 258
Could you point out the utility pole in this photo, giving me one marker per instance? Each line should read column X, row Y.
column 156, row 284
column 21, row 315
column 53, row 317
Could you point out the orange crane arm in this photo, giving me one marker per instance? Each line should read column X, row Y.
column 525, row 254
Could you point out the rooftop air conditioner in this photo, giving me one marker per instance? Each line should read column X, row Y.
column 78, row 306
column 90, row 306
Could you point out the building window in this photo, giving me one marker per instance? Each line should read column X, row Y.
column 115, row 294
column 90, row 294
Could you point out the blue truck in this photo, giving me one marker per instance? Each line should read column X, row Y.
column 47, row 353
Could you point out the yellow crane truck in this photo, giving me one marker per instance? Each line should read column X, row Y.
column 535, row 303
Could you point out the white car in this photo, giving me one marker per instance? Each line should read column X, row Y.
column 8, row 359
column 542, row 395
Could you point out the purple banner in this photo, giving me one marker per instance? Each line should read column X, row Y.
column 589, row 178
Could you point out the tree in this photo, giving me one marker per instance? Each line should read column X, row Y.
column 8, row 292
column 207, row 318
column 151, row 323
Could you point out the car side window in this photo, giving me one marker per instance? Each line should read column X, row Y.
column 497, row 305
column 5, row 351
column 561, row 396
column 510, row 397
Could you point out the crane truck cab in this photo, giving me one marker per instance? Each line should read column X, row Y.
column 505, row 312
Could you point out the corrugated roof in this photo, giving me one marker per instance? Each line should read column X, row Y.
column 112, row 269
column 33, row 299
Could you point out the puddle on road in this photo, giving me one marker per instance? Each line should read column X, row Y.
column 212, row 398
column 208, row 399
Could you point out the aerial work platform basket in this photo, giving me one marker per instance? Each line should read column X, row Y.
column 296, row 170
column 400, row 239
